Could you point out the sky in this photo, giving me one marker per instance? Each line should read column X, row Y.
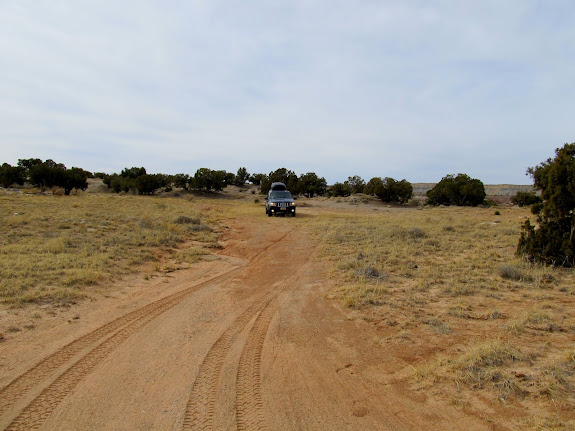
column 406, row 89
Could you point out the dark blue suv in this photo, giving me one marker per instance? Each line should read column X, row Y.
column 280, row 201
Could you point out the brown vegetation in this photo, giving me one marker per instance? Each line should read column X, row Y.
column 52, row 247
column 446, row 282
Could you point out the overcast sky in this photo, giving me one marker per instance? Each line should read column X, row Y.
column 404, row 89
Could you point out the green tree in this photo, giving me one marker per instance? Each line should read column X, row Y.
column 356, row 184
column 12, row 175
column 390, row 190
column 403, row 191
column 242, row 176
column 371, row 185
column 256, row 179
column 459, row 190
column 229, row 177
column 182, row 180
column 340, row 189
column 310, row 184
column 75, row 178
column 148, row 184
column 523, row 199
column 120, row 184
column 552, row 241
column 46, row 174
column 282, row 175
column 28, row 163
column 209, row 180
column 133, row 173
column 52, row 174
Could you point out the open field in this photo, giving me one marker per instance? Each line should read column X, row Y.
column 354, row 315
column 52, row 247
column 442, row 286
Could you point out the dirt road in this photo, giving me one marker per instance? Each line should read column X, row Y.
column 247, row 341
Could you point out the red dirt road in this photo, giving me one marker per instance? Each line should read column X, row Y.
column 247, row 341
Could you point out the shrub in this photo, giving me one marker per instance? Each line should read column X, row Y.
column 310, row 184
column 371, row 272
column 48, row 174
column 11, row 175
column 209, row 180
column 480, row 365
column 415, row 233
column 340, row 189
column 510, row 272
column 552, row 241
column 372, row 184
column 133, row 173
column 459, row 190
column 356, row 184
column 187, row 220
column 74, row 178
column 182, row 180
column 390, row 190
column 256, row 179
column 523, row 199
column 147, row 222
column 148, row 184
column 118, row 183
column 241, row 177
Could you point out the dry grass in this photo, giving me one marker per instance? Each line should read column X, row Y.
column 454, row 249
column 482, row 365
column 442, row 282
column 53, row 247
column 453, row 288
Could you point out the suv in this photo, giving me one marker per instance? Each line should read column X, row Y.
column 279, row 201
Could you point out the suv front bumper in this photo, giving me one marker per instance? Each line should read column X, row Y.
column 282, row 210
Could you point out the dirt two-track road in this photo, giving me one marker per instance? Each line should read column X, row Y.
column 246, row 341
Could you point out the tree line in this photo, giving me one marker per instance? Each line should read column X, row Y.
column 550, row 241
column 451, row 190
column 44, row 175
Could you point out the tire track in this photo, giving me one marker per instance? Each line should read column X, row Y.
column 113, row 334
column 123, row 327
column 200, row 409
column 201, row 405
column 249, row 404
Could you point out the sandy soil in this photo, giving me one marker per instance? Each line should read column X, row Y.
column 246, row 341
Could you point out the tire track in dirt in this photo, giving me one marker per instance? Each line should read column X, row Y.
column 201, row 405
column 117, row 331
column 200, row 410
column 123, row 327
column 249, row 404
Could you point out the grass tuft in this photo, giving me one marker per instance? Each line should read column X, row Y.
column 480, row 365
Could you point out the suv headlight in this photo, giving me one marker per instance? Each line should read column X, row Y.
column 272, row 204
column 292, row 204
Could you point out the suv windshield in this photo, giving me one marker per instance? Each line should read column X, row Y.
column 280, row 194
